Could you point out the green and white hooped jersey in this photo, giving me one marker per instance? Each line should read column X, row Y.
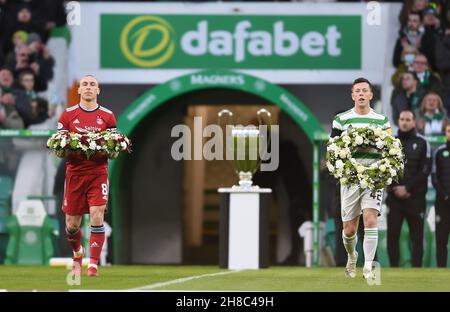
column 350, row 119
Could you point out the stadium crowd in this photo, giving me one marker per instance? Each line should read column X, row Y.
column 26, row 65
column 422, row 60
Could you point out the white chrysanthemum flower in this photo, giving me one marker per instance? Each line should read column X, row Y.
column 360, row 168
column 343, row 153
column 392, row 172
column 359, row 140
column 382, row 168
column 343, row 180
column 346, row 139
column 339, row 164
column 63, row 142
column 330, row 167
column 331, row 147
column 389, row 181
column 380, row 144
column 123, row 145
column 378, row 132
column 363, row 184
column 92, row 145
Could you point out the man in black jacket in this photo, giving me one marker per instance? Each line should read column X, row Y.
column 441, row 182
column 406, row 199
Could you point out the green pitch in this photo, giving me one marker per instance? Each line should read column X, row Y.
column 272, row 279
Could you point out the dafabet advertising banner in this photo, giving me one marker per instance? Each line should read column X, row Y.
column 281, row 42
column 230, row 42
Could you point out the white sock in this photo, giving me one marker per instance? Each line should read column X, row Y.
column 350, row 243
column 370, row 246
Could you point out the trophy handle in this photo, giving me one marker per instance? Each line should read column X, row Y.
column 260, row 119
column 223, row 121
column 265, row 143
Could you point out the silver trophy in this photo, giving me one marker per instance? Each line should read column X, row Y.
column 248, row 143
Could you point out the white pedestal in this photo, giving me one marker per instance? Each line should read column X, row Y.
column 244, row 223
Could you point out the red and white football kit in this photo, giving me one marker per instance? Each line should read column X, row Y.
column 86, row 179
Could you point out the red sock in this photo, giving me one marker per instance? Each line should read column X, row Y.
column 74, row 239
column 96, row 242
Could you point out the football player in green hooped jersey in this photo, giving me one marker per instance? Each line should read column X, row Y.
column 354, row 200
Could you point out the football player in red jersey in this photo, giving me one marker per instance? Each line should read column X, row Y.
column 86, row 185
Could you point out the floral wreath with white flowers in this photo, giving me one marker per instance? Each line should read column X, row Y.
column 107, row 143
column 343, row 166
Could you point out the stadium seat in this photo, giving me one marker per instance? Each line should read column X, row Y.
column 31, row 235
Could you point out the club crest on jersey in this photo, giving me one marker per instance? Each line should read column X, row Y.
column 60, row 126
column 99, row 120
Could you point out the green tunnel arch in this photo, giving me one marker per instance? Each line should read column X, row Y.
column 158, row 95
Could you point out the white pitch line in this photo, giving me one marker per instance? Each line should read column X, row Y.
column 182, row 280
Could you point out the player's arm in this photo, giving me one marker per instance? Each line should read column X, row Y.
column 337, row 128
column 63, row 122
column 111, row 125
column 425, row 165
column 441, row 190
column 387, row 126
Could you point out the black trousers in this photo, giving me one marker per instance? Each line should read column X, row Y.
column 442, row 231
column 413, row 210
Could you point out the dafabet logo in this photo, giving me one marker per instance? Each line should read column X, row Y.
column 222, row 41
column 147, row 41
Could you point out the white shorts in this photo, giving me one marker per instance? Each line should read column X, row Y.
column 354, row 200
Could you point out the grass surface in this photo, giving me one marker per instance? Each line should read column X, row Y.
column 272, row 279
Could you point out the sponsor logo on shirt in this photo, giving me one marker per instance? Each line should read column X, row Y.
column 76, row 121
column 88, row 129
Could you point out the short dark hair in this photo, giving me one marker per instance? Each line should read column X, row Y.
column 407, row 110
column 415, row 13
column 412, row 73
column 361, row 79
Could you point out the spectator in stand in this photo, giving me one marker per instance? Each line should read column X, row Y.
column 19, row 40
column 9, row 115
column 39, row 106
column 408, row 56
column 410, row 35
column 409, row 6
column 35, row 58
column 26, row 83
column 55, row 15
column 41, row 62
column 6, row 22
column 443, row 63
column 39, row 110
column 408, row 96
column 433, row 118
column 429, row 81
column 432, row 24
column 15, row 97
column 24, row 21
